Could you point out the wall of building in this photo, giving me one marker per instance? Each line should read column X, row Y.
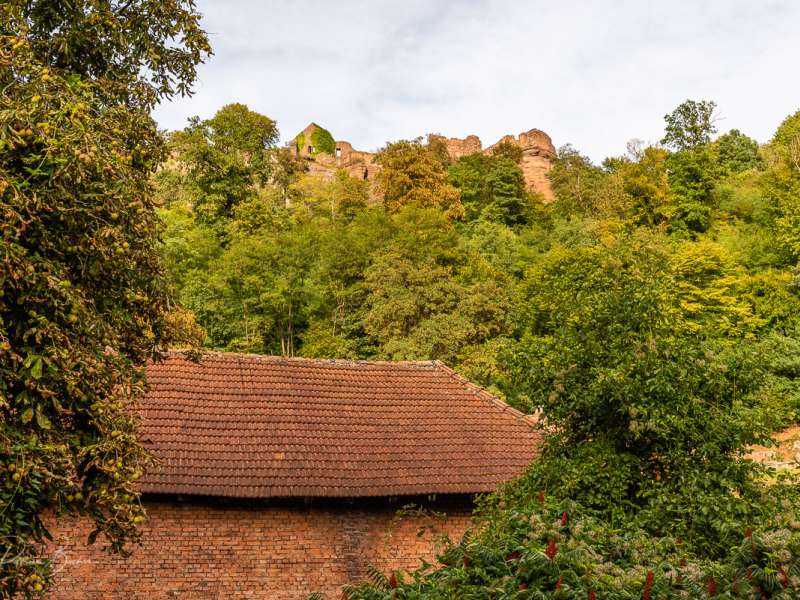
column 202, row 550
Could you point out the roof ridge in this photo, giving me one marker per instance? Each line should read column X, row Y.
column 484, row 394
column 276, row 358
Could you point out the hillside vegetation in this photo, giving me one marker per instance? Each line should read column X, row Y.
column 649, row 316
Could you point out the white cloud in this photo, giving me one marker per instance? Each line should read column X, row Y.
column 593, row 73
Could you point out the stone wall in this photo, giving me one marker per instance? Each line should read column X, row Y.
column 212, row 550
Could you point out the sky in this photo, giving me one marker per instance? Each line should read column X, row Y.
column 595, row 74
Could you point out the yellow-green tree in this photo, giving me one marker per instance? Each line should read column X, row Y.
column 412, row 175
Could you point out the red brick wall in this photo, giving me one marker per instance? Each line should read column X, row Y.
column 198, row 551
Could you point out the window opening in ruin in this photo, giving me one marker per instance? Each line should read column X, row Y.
column 366, row 173
column 338, row 152
column 311, row 149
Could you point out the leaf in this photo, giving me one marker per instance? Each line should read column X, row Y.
column 33, row 363
column 41, row 419
column 27, row 415
column 36, row 369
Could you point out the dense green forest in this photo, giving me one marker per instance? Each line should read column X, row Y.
column 649, row 316
column 455, row 261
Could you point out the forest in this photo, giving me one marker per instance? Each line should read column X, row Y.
column 649, row 316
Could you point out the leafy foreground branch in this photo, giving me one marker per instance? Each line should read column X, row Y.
column 83, row 300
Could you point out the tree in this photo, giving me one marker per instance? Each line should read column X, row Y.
column 228, row 158
column 582, row 188
column 736, row 152
column 690, row 125
column 412, row 175
column 508, row 150
column 83, row 301
column 492, row 188
column 640, row 490
column 644, row 180
column 693, row 174
column 623, row 377
column 781, row 185
column 338, row 199
column 417, row 305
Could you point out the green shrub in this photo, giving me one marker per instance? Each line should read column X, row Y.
column 551, row 551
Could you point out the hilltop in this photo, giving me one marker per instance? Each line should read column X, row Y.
column 324, row 155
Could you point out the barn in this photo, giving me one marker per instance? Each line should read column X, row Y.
column 280, row 477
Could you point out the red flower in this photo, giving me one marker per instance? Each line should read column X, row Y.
column 592, row 595
column 393, row 581
column 784, row 577
column 564, row 519
column 540, row 498
column 514, row 555
column 648, row 585
column 551, row 549
column 559, row 582
column 467, row 561
column 712, row 586
column 748, row 532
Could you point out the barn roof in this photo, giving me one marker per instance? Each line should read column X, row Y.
column 247, row 426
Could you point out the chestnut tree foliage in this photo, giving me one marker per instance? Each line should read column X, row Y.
column 83, row 302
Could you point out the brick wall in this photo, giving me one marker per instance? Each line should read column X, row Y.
column 202, row 550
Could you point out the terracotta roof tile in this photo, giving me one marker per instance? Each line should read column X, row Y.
column 251, row 426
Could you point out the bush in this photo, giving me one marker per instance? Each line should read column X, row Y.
column 552, row 551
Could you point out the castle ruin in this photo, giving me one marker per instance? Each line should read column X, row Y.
column 324, row 155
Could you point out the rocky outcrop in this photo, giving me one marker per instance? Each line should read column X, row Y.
column 538, row 154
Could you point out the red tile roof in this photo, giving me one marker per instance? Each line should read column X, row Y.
column 250, row 426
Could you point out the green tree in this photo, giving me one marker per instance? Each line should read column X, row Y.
column 736, row 152
column 256, row 296
column 492, row 188
column 228, row 157
column 644, row 180
column 693, row 175
column 620, row 371
column 82, row 289
column 412, row 175
column 582, row 188
column 418, row 305
column 508, row 150
column 338, row 199
column 690, row 125
column 781, row 185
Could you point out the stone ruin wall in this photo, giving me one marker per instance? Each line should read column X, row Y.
column 456, row 147
column 538, row 154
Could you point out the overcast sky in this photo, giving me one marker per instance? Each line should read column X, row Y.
column 591, row 73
